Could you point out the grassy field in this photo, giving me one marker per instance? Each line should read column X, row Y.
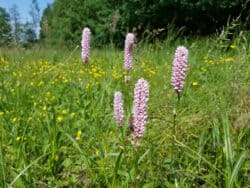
column 58, row 130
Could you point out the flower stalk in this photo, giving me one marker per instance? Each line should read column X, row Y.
column 179, row 69
column 141, row 97
column 118, row 108
column 128, row 51
column 85, row 44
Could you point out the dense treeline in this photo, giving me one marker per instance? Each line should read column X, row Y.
column 109, row 20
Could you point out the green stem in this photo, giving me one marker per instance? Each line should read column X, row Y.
column 179, row 96
column 173, row 136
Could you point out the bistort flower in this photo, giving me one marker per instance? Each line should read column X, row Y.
column 85, row 44
column 118, row 108
column 128, row 51
column 141, row 96
column 179, row 68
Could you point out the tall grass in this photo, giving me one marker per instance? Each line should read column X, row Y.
column 58, row 130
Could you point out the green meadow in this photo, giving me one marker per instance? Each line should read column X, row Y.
column 57, row 127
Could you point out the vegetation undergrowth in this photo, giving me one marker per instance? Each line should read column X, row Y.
column 58, row 130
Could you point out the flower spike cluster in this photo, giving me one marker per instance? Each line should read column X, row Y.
column 128, row 51
column 141, row 96
column 85, row 44
column 118, row 108
column 179, row 68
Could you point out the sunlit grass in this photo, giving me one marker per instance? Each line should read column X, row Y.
column 57, row 125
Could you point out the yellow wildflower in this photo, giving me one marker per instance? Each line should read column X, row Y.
column 59, row 119
column 1, row 113
column 203, row 69
column 152, row 72
column 48, row 94
column 229, row 59
column 97, row 152
column 81, row 72
column 205, row 58
column 45, row 108
column 142, row 64
column 87, row 86
column 64, row 112
column 14, row 119
column 211, row 62
column 232, row 46
column 195, row 84
column 18, row 84
column 43, row 114
column 41, row 83
column 18, row 138
column 20, row 74
column 78, row 134
column 116, row 75
column 56, row 158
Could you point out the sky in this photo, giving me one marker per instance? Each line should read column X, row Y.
column 24, row 7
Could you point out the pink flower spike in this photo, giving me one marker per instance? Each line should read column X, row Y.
column 128, row 51
column 85, row 44
column 118, row 108
column 141, row 96
column 179, row 68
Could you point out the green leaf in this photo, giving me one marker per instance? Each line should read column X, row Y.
column 236, row 169
column 143, row 156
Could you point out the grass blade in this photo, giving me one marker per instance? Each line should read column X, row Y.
column 236, row 169
column 117, row 165
column 143, row 156
column 227, row 141
column 25, row 169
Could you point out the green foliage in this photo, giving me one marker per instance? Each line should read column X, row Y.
column 109, row 21
column 16, row 24
column 28, row 34
column 5, row 28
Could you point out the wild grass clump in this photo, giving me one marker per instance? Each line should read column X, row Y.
column 58, row 129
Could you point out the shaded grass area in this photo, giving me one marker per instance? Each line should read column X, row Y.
column 57, row 126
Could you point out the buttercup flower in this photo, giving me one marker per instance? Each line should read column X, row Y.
column 179, row 68
column 141, row 96
column 85, row 44
column 128, row 51
column 118, row 108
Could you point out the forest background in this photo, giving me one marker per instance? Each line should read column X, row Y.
column 62, row 22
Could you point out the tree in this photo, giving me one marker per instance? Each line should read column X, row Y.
column 45, row 23
column 16, row 25
column 28, row 34
column 5, row 27
column 110, row 20
column 35, row 17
